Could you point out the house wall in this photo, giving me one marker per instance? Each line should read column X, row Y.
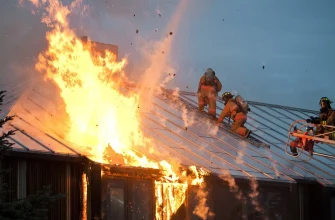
column 278, row 201
column 28, row 175
column 316, row 202
column 130, row 194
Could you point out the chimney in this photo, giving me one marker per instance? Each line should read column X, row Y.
column 84, row 39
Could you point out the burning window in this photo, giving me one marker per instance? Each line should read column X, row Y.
column 127, row 198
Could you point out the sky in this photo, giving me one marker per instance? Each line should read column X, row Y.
column 294, row 40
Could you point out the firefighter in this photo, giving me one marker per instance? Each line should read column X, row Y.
column 306, row 144
column 209, row 86
column 326, row 117
column 235, row 112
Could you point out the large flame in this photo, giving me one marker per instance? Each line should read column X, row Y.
column 100, row 113
column 103, row 115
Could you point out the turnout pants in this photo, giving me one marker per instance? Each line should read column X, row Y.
column 207, row 95
column 238, row 127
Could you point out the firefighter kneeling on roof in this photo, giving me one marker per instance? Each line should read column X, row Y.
column 208, row 88
column 236, row 111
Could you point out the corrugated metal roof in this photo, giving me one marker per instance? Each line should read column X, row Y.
column 270, row 124
column 32, row 135
column 13, row 92
column 180, row 131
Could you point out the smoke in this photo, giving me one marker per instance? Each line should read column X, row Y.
column 254, row 196
column 239, row 158
column 274, row 165
column 232, row 185
column 188, row 117
column 168, row 78
column 134, row 26
column 202, row 210
column 158, row 61
column 212, row 130
column 127, row 8
column 163, row 121
column 22, row 38
column 175, row 94
column 240, row 154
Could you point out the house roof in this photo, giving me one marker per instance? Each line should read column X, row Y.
column 180, row 131
column 32, row 136
column 270, row 124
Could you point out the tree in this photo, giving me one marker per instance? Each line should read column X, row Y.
column 4, row 143
column 32, row 207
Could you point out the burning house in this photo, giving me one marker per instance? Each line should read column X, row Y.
column 119, row 154
column 246, row 181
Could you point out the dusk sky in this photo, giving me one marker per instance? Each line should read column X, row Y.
column 294, row 40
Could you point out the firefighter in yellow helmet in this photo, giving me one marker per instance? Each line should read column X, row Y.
column 235, row 112
column 209, row 86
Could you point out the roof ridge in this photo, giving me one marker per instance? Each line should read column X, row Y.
column 259, row 103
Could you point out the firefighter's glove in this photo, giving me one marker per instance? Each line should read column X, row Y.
column 295, row 129
column 313, row 120
column 309, row 128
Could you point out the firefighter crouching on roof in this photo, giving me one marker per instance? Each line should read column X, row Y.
column 209, row 86
column 326, row 117
column 234, row 111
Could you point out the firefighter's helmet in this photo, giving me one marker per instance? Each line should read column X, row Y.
column 326, row 101
column 226, row 96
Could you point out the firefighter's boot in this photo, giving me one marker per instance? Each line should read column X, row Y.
column 294, row 151
column 247, row 133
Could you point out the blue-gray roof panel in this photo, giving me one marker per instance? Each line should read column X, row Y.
column 178, row 131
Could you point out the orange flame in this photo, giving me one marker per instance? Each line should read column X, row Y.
column 84, row 193
column 102, row 114
column 199, row 175
column 169, row 197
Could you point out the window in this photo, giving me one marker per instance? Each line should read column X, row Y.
column 127, row 198
column 115, row 200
